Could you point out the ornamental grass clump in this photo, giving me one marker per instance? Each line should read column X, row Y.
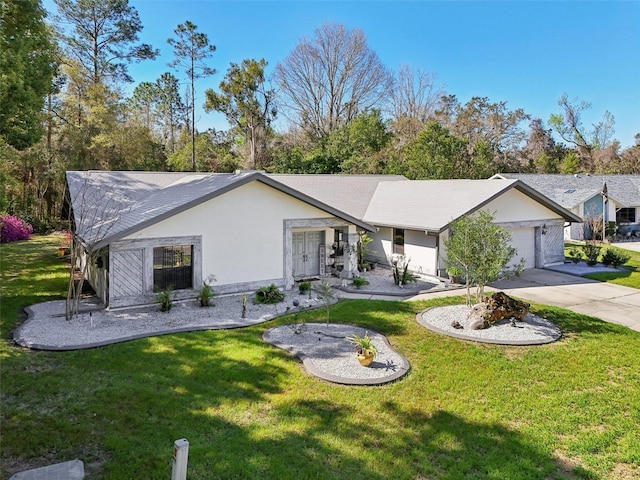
column 359, row 282
column 269, row 295
column 13, row 228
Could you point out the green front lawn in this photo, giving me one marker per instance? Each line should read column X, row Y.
column 474, row 411
column 629, row 278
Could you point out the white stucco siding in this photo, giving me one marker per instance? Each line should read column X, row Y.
column 242, row 232
column 514, row 206
column 379, row 249
column 420, row 249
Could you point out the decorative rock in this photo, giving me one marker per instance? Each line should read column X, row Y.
column 501, row 306
column 476, row 317
column 497, row 307
column 456, row 324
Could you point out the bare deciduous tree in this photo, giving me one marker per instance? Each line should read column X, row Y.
column 414, row 99
column 568, row 124
column 327, row 80
column 92, row 215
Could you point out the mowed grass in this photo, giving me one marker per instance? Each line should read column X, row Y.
column 630, row 277
column 565, row 410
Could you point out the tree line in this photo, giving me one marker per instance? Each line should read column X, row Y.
column 342, row 111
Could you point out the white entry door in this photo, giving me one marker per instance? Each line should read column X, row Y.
column 306, row 256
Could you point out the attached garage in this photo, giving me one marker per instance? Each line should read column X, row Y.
column 523, row 239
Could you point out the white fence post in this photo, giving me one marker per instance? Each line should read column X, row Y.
column 180, row 459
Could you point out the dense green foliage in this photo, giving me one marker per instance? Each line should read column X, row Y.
column 27, row 66
column 567, row 410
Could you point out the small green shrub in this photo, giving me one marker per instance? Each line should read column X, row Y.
column 165, row 298
column 304, row 287
column 205, row 295
column 359, row 281
column 591, row 252
column 270, row 294
column 401, row 273
column 615, row 257
column 575, row 254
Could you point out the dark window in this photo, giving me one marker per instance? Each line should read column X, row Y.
column 172, row 267
column 626, row 215
column 398, row 241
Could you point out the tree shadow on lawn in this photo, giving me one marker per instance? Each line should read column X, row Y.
column 326, row 440
column 445, row 446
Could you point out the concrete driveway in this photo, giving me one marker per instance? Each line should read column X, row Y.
column 609, row 302
column 635, row 246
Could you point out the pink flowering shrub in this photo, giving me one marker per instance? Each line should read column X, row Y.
column 14, row 228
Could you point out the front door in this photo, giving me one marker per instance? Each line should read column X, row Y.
column 306, row 253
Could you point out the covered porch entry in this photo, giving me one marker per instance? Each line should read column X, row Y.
column 309, row 251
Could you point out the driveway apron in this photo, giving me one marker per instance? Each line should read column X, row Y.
column 609, row 302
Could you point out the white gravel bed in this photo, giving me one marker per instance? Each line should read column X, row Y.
column 381, row 282
column 326, row 353
column 47, row 329
column 534, row 330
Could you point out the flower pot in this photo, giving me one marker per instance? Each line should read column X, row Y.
column 365, row 357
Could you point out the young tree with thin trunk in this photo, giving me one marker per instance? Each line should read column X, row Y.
column 92, row 216
column 481, row 251
column 191, row 49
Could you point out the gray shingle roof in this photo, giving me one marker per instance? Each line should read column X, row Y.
column 572, row 190
column 349, row 193
column 430, row 204
column 110, row 205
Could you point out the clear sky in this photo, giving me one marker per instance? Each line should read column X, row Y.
column 523, row 52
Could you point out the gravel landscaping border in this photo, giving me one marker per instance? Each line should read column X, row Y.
column 326, row 353
column 534, row 330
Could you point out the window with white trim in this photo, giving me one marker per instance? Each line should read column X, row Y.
column 626, row 215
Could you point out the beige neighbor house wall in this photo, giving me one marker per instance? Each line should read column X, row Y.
column 239, row 238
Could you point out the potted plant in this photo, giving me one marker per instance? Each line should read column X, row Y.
column 454, row 274
column 65, row 245
column 365, row 349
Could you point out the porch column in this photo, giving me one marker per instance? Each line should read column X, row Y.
column 288, row 257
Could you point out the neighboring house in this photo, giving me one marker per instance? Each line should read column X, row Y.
column 583, row 195
column 250, row 229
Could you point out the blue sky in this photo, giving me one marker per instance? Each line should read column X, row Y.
column 523, row 52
